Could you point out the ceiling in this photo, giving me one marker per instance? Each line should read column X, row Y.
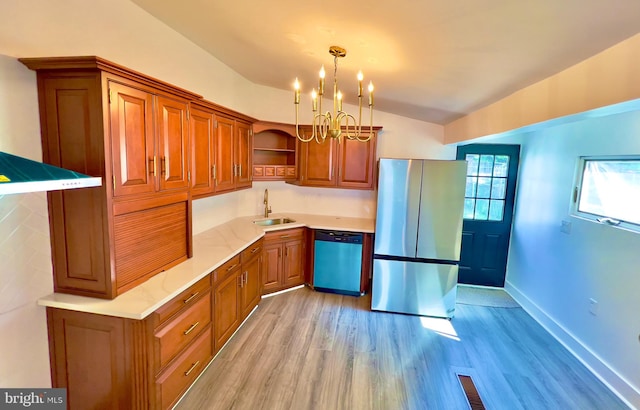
column 432, row 60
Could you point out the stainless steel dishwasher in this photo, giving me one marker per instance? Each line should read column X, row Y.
column 337, row 262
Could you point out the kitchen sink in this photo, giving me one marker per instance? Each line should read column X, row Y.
column 273, row 221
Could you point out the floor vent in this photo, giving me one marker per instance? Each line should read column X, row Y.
column 470, row 391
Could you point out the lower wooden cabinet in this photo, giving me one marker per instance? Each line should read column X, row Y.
column 283, row 259
column 118, row 363
column 226, row 307
column 237, row 290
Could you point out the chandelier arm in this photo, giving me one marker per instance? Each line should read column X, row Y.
column 351, row 131
column 301, row 138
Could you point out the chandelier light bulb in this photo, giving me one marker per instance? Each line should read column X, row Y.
column 296, row 87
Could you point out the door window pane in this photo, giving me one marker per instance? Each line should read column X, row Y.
column 470, row 190
column 484, row 187
column 496, row 210
column 482, row 209
column 469, row 205
column 472, row 163
column 498, row 188
column 501, row 166
column 486, row 165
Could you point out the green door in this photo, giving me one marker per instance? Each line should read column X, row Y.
column 492, row 170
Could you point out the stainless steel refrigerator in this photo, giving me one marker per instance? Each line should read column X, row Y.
column 418, row 235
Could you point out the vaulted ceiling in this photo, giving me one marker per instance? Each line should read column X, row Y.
column 432, row 60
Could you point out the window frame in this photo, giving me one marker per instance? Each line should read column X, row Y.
column 577, row 192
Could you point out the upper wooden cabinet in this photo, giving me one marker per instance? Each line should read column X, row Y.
column 202, row 150
column 150, row 150
column 275, row 154
column 243, row 154
column 221, row 144
column 102, row 119
column 343, row 164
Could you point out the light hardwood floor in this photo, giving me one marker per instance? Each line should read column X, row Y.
column 311, row 350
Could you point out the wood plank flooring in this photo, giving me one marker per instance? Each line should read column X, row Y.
column 312, row 350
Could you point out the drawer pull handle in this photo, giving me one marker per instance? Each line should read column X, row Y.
column 231, row 267
column 193, row 326
column 254, row 250
column 284, row 236
column 190, row 298
column 193, row 366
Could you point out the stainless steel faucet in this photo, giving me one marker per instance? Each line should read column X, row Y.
column 267, row 208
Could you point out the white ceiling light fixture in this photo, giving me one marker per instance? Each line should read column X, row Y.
column 337, row 123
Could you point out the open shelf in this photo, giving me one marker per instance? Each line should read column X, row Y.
column 275, row 152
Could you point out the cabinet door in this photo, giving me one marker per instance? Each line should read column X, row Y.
column 318, row 163
column 173, row 143
column 357, row 163
column 226, row 308
column 243, row 154
column 132, row 140
column 293, row 272
column 271, row 268
column 202, row 152
column 224, row 143
column 251, row 288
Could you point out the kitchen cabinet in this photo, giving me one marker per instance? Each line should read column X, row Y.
column 236, row 292
column 233, row 153
column 340, row 163
column 275, row 154
column 226, row 301
column 150, row 150
column 113, row 362
column 203, row 169
column 284, row 259
column 221, row 142
column 104, row 120
column 251, row 287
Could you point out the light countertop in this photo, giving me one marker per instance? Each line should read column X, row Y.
column 211, row 249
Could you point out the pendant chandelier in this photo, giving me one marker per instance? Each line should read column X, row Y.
column 336, row 123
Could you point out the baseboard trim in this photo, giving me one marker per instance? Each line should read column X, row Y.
column 615, row 382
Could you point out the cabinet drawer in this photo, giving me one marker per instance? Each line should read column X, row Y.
column 178, row 377
column 284, row 235
column 176, row 334
column 228, row 268
column 270, row 171
column 185, row 299
column 291, row 172
column 252, row 250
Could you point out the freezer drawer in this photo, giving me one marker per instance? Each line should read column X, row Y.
column 426, row 289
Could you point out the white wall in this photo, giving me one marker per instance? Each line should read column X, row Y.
column 554, row 274
column 121, row 32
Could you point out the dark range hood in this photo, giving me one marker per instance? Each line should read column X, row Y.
column 19, row 175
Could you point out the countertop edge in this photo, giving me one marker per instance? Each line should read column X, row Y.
column 224, row 241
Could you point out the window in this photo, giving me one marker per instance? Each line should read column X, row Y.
column 608, row 191
column 486, row 187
